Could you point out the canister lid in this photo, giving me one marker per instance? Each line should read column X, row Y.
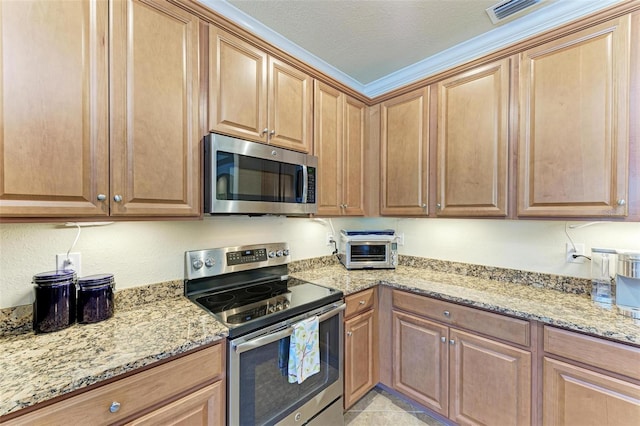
column 98, row 280
column 54, row 277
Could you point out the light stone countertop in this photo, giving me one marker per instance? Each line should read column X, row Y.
column 35, row 368
column 570, row 311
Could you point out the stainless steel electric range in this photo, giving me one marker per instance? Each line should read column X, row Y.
column 248, row 289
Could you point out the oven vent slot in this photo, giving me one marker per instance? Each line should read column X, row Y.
column 504, row 9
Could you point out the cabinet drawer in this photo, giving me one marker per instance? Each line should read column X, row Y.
column 359, row 302
column 499, row 326
column 611, row 356
column 133, row 393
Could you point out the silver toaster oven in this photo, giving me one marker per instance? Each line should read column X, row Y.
column 368, row 249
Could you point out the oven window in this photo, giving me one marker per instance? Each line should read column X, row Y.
column 266, row 396
column 240, row 177
column 368, row 252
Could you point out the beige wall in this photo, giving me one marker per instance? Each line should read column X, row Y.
column 140, row 253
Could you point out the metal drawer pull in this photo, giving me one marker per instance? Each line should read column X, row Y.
column 362, row 302
column 115, row 406
column 443, row 339
column 349, row 334
column 453, row 342
column 447, row 313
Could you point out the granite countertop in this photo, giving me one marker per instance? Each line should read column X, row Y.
column 571, row 311
column 35, row 368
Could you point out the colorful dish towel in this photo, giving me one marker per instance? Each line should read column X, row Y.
column 304, row 350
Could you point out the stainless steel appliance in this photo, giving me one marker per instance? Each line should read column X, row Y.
column 628, row 284
column 248, row 289
column 242, row 177
column 368, row 249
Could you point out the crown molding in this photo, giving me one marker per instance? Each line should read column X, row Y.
column 553, row 15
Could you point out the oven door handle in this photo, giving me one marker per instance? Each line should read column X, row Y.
column 274, row 337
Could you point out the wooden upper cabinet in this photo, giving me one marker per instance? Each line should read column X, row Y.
column 155, row 132
column 339, row 122
column 574, row 124
column 473, row 142
column 257, row 97
column 405, row 154
column 54, row 113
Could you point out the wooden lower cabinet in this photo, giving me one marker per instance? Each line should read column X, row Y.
column 189, row 390
column 578, row 396
column 489, row 382
column 467, row 378
column 361, row 346
column 203, row 407
column 421, row 362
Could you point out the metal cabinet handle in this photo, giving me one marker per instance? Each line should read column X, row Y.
column 265, row 131
column 438, row 206
column 362, row 302
column 115, row 406
column 451, row 341
column 443, row 339
column 117, row 198
column 349, row 334
column 622, row 202
column 447, row 313
column 101, row 197
column 271, row 133
column 424, row 206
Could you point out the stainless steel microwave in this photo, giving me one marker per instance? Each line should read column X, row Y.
column 243, row 177
column 368, row 249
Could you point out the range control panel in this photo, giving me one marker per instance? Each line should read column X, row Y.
column 218, row 261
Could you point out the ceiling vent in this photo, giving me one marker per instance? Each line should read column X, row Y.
column 506, row 8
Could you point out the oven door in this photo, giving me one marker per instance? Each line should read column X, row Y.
column 259, row 390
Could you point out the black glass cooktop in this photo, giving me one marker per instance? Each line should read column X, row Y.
column 254, row 306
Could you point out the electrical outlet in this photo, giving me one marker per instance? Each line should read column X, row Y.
column 73, row 262
column 330, row 239
column 400, row 238
column 579, row 251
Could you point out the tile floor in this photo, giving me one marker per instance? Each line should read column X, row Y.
column 381, row 408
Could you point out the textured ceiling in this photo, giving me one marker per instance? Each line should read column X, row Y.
column 371, row 39
column 375, row 46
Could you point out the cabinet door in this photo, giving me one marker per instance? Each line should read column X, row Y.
column 421, row 361
column 205, row 407
column 54, row 113
column 354, row 179
column 490, row 382
column 237, row 87
column 574, row 125
column 473, row 132
column 405, row 154
column 290, row 119
column 361, row 364
column 328, row 148
column 576, row 396
column 155, row 167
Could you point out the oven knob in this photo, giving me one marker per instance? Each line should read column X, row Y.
column 209, row 262
column 272, row 254
column 279, row 253
column 197, row 264
column 285, row 252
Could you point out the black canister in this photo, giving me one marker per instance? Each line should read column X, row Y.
column 95, row 298
column 55, row 304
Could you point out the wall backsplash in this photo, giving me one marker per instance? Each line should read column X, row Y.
column 141, row 253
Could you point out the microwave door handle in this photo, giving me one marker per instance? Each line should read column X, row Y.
column 274, row 337
column 305, row 184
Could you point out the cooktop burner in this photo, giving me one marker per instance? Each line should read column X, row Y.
column 248, row 287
